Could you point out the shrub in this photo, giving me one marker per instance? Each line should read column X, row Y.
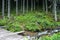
column 13, row 26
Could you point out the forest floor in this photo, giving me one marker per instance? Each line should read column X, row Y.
column 7, row 35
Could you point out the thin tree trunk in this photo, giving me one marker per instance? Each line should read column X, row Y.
column 55, row 12
column 16, row 7
column 21, row 5
column 43, row 5
column 27, row 5
column 3, row 8
column 46, row 6
column 34, row 4
column 31, row 5
column 8, row 8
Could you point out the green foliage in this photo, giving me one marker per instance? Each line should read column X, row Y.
column 3, row 21
column 30, row 21
column 58, row 23
column 53, row 37
column 45, row 21
column 13, row 26
column 36, row 21
column 26, row 17
column 31, row 27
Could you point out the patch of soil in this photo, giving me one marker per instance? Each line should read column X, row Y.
column 28, row 33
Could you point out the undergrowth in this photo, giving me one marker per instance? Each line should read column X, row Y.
column 31, row 21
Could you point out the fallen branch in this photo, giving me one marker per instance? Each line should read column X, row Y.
column 47, row 33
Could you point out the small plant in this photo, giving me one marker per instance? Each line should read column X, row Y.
column 3, row 21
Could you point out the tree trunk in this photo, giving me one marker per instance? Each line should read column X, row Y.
column 46, row 6
column 3, row 8
column 16, row 7
column 31, row 5
column 34, row 4
column 23, row 6
column 43, row 5
column 27, row 5
column 8, row 8
column 55, row 12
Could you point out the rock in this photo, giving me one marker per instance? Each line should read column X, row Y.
column 7, row 35
column 12, row 37
column 42, row 33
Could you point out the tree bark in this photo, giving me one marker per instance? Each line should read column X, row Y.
column 55, row 12
column 31, row 5
column 3, row 8
column 16, row 7
column 8, row 8
column 43, row 5
column 34, row 4
column 27, row 5
column 23, row 6
column 46, row 6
